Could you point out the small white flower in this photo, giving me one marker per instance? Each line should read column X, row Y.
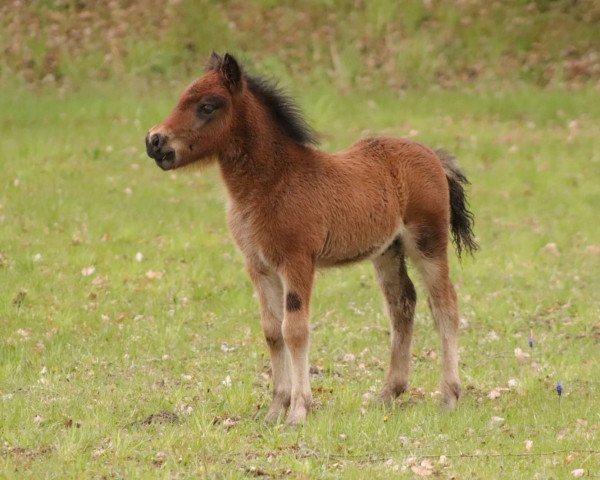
column 139, row 256
column 227, row 381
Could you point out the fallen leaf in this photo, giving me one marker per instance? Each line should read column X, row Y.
column 163, row 416
column 417, row 392
column 430, row 354
column 160, row 458
column 578, row 472
column 593, row 249
column 521, row 355
column 19, row 298
column 105, row 445
column 24, row 332
column 68, row 422
column 87, row 271
column 230, row 422
column 492, row 336
column 497, row 420
column 99, row 281
column 495, row 393
column 552, row 248
column 424, row 469
column 570, row 457
column 154, row 275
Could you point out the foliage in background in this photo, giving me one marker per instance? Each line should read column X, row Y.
column 354, row 44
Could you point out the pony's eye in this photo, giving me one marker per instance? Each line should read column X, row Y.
column 207, row 108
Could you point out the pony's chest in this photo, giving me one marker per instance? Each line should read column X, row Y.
column 248, row 230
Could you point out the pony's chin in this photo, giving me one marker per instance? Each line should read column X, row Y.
column 168, row 161
column 195, row 163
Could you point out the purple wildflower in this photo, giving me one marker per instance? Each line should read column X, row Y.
column 530, row 341
column 559, row 388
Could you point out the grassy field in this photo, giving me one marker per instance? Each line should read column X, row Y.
column 131, row 343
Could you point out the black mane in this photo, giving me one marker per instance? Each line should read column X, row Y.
column 284, row 110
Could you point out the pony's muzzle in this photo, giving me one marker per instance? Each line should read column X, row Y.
column 157, row 149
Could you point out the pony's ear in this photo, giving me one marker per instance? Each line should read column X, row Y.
column 231, row 72
column 213, row 63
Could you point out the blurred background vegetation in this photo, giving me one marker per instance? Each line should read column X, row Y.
column 354, row 45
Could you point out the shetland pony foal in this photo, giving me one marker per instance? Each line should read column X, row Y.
column 294, row 208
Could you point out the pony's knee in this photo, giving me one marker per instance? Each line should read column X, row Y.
column 295, row 332
column 273, row 334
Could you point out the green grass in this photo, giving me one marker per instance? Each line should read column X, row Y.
column 85, row 359
column 354, row 45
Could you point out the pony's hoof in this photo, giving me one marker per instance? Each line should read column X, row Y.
column 385, row 398
column 389, row 393
column 296, row 417
column 299, row 409
column 273, row 415
column 280, row 403
column 450, row 394
column 448, row 403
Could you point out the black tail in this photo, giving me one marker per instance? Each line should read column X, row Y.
column 461, row 218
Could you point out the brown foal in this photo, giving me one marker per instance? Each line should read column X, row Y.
column 294, row 208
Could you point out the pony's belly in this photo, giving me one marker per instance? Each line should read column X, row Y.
column 344, row 253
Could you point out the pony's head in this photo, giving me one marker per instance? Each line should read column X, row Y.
column 200, row 125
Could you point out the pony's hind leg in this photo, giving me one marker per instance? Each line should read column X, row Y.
column 269, row 289
column 400, row 297
column 433, row 266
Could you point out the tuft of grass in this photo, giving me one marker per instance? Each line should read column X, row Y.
column 88, row 354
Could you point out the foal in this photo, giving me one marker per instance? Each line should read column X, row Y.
column 294, row 208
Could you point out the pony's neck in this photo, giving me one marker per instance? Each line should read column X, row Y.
column 259, row 154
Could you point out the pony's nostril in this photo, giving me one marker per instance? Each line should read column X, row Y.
column 155, row 140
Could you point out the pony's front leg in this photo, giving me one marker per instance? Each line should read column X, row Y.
column 269, row 289
column 298, row 278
